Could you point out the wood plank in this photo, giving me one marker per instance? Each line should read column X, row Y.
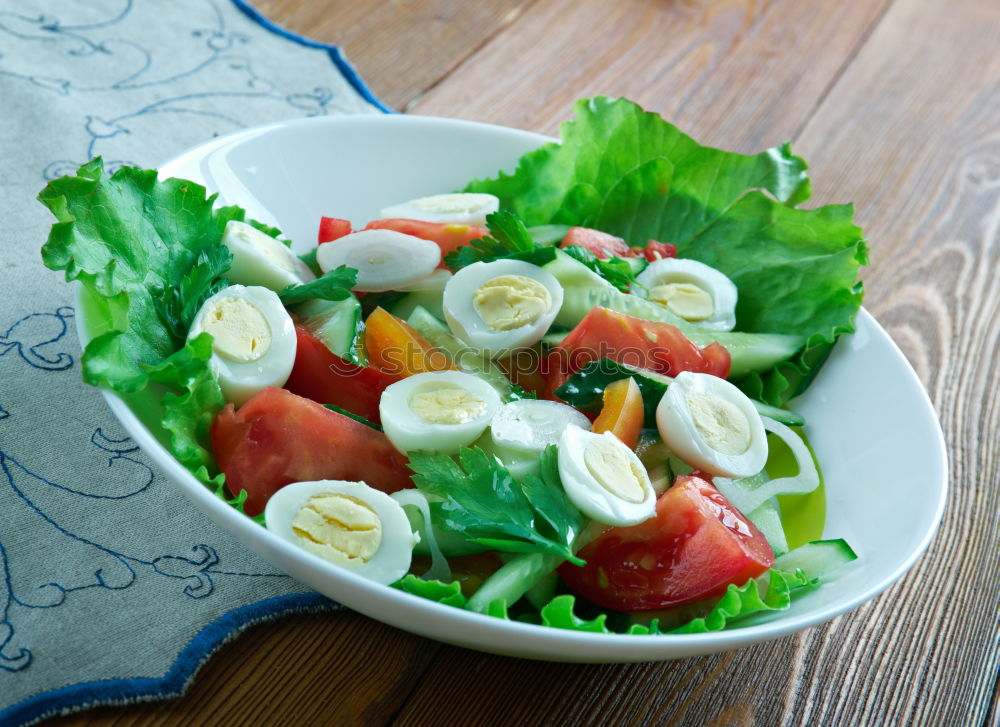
column 911, row 132
column 339, row 668
column 489, row 690
column 735, row 73
column 400, row 48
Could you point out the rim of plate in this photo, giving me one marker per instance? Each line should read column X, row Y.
column 482, row 632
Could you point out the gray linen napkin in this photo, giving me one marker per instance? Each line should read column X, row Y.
column 112, row 586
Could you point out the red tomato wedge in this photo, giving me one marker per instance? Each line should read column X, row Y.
column 655, row 250
column 447, row 236
column 277, row 438
column 332, row 228
column 659, row 347
column 322, row 376
column 692, row 549
column 600, row 243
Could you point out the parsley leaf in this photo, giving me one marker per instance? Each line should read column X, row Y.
column 547, row 497
column 309, row 258
column 178, row 304
column 483, row 502
column 334, row 285
column 616, row 270
column 508, row 238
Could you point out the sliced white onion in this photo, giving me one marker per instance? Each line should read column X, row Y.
column 439, row 570
column 528, row 426
column 435, row 281
column 748, row 494
column 384, row 259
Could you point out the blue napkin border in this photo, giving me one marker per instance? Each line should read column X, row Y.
column 336, row 54
column 86, row 695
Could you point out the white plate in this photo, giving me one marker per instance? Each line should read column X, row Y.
column 870, row 422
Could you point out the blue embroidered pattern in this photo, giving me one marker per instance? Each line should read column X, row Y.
column 35, row 337
column 112, row 79
column 212, row 78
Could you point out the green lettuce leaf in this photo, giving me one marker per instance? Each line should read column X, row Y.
column 739, row 602
column 450, row 594
column 128, row 239
column 632, row 174
column 773, row 591
column 747, row 600
column 148, row 254
column 189, row 407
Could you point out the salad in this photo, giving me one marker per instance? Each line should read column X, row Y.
column 558, row 396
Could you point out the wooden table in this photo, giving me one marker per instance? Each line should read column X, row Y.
column 896, row 105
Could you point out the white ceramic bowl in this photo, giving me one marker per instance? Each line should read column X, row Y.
column 870, row 422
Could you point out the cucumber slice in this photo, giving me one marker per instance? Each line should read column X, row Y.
column 548, row 234
column 465, row 357
column 334, row 322
column 749, row 351
column 429, row 300
column 554, row 339
column 767, row 518
column 818, row 558
column 785, row 416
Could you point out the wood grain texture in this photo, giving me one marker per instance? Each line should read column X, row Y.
column 912, row 133
column 493, row 690
column 400, row 47
column 896, row 104
column 733, row 73
column 336, row 669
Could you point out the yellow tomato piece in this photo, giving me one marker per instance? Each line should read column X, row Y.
column 622, row 412
column 394, row 347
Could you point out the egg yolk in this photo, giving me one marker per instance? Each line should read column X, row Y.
column 340, row 528
column 240, row 332
column 614, row 471
column 511, row 301
column 687, row 300
column 447, row 405
column 720, row 423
